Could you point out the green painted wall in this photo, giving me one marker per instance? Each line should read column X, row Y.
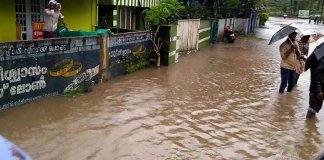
column 139, row 19
column 141, row 25
column 8, row 21
column 204, row 24
column 204, row 34
column 203, row 44
column 80, row 15
column 173, row 44
column 174, row 30
column 172, row 60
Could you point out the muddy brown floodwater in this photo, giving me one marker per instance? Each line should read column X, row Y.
column 219, row 103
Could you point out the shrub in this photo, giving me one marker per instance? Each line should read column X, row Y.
column 134, row 64
column 264, row 17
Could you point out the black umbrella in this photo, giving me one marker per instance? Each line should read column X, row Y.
column 317, row 54
column 319, row 51
column 282, row 33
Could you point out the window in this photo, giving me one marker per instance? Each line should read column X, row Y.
column 127, row 18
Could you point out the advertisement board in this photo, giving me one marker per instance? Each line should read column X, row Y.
column 303, row 13
column 30, row 70
column 38, row 28
column 124, row 46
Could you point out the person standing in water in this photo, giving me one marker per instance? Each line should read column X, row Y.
column 316, row 88
column 303, row 46
column 289, row 52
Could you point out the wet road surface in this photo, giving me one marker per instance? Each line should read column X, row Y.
column 219, row 103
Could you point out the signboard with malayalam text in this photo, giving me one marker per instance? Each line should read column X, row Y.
column 30, row 70
column 124, row 46
column 303, row 13
column 38, row 28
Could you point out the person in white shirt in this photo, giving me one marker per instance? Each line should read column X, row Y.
column 52, row 15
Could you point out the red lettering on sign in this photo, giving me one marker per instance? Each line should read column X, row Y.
column 38, row 28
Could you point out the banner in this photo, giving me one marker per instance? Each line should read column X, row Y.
column 38, row 28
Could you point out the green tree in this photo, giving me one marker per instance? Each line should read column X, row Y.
column 250, row 5
column 199, row 11
column 292, row 7
column 263, row 18
column 228, row 6
column 167, row 11
column 284, row 9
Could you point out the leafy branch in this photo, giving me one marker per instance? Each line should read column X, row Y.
column 167, row 11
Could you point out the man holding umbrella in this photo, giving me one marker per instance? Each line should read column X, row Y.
column 289, row 53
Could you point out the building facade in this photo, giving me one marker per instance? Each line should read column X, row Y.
column 123, row 14
column 17, row 16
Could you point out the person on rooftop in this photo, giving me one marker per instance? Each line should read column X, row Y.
column 52, row 15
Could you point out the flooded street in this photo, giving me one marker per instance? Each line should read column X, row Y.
column 219, row 103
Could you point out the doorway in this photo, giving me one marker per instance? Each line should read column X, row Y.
column 28, row 11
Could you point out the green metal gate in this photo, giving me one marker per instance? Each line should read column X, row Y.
column 214, row 31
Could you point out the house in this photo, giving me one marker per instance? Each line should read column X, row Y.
column 17, row 16
column 123, row 14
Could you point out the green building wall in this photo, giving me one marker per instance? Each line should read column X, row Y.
column 173, row 54
column 8, row 21
column 204, row 33
column 80, row 15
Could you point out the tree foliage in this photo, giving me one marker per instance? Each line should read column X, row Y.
column 223, row 8
column 228, row 6
column 292, row 7
column 199, row 11
column 247, row 6
column 165, row 12
column 264, row 17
